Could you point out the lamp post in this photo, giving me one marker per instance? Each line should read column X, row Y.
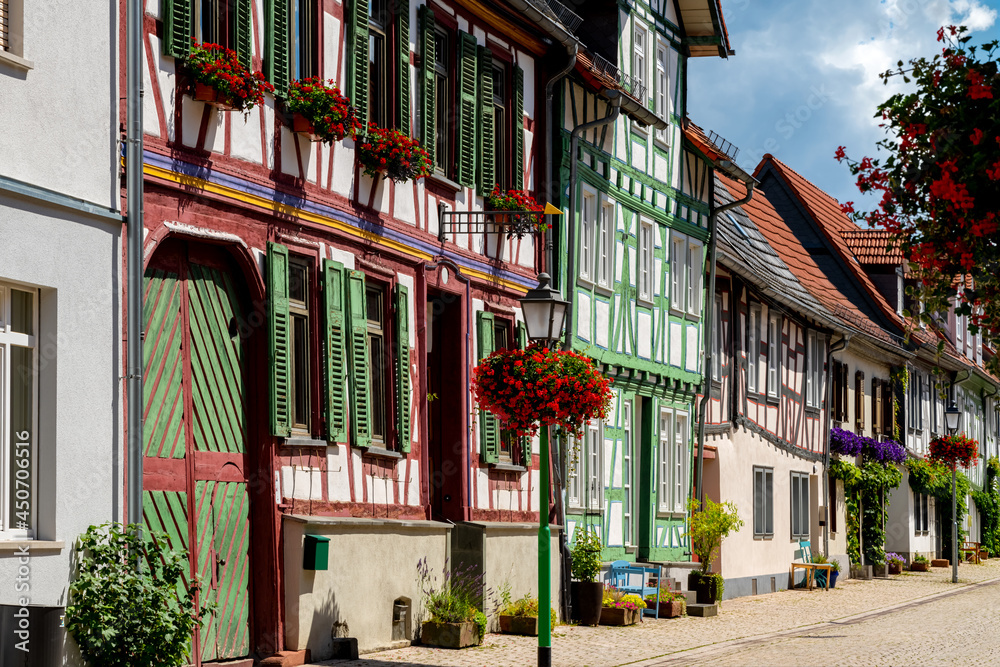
column 952, row 419
column 544, row 315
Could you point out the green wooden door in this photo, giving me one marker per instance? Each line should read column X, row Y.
column 195, row 435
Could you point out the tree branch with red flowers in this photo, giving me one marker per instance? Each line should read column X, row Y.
column 940, row 183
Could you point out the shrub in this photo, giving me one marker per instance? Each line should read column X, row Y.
column 586, row 555
column 709, row 527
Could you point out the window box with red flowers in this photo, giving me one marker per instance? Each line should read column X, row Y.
column 221, row 80
column 954, row 450
column 390, row 153
column 320, row 111
column 525, row 217
column 525, row 388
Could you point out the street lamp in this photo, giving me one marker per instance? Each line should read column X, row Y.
column 544, row 316
column 953, row 419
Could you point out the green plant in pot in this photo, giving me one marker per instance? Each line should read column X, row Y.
column 520, row 617
column 920, row 563
column 587, row 591
column 821, row 574
column 708, row 527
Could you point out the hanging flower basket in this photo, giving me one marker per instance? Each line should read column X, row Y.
column 954, row 450
column 528, row 218
column 320, row 110
column 392, row 154
column 525, row 388
column 220, row 79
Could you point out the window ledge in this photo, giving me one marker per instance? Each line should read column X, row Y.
column 665, row 514
column 302, row 441
column 32, row 545
column 773, row 400
column 507, row 467
column 444, row 182
column 16, row 62
column 381, row 452
column 763, row 537
column 645, row 301
column 692, row 318
column 603, row 290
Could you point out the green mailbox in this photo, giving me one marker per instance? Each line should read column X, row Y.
column 316, row 552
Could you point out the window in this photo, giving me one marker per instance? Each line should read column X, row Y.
column 377, row 361
column 677, row 272
column 576, row 472
column 717, row 347
column 800, row 506
column 225, row 22
column 595, row 477
column 914, row 400
column 501, row 160
column 605, row 245
column 882, row 416
column 298, row 348
column 773, row 355
column 378, row 75
column 645, row 270
column 763, row 502
column 921, row 514
column 10, row 27
column 587, row 226
column 629, row 468
column 443, row 97
column 839, row 378
column 502, row 337
column 18, row 410
column 662, row 94
column 682, row 437
column 831, row 508
column 815, row 349
column 378, row 62
column 666, row 445
column 859, row 402
column 639, row 56
column 695, row 277
column 304, row 54
column 753, row 349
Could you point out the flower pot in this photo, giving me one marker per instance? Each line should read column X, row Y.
column 209, row 95
column 940, row 562
column 519, row 625
column 920, row 567
column 704, row 587
column 588, row 599
column 450, row 635
column 861, row 571
column 301, row 125
column 895, row 568
column 671, row 609
column 833, row 578
column 616, row 616
column 983, row 554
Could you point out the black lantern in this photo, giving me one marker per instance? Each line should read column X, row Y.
column 952, row 417
column 544, row 312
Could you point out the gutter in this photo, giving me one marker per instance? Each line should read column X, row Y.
column 836, row 347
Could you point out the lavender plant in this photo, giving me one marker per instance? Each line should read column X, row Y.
column 461, row 595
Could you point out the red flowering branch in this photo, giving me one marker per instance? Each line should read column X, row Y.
column 525, row 388
column 219, row 68
column 954, row 450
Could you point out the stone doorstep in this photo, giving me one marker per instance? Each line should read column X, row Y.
column 287, row 659
column 703, row 609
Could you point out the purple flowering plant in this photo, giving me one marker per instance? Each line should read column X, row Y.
column 846, row 443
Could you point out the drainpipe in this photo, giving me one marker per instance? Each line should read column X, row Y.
column 709, row 310
column 836, row 347
column 551, row 191
column 134, row 227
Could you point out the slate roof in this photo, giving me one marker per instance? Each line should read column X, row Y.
column 873, row 246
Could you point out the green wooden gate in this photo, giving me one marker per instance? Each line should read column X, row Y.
column 195, row 436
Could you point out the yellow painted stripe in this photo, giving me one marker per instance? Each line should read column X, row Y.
column 293, row 211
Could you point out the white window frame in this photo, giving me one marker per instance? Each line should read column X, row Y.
column 753, row 348
column 640, row 61
column 575, row 473
column 595, row 465
column 662, row 90
column 12, row 447
column 799, row 506
column 773, row 354
column 678, row 263
column 682, row 440
column 717, row 346
column 815, row 344
column 665, row 437
column 604, row 244
column 644, row 271
column 588, row 220
column 695, row 277
column 629, row 462
column 763, row 502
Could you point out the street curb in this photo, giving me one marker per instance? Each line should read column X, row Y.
column 685, row 656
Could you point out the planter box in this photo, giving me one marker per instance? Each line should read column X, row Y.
column 519, row 625
column 672, row 609
column 895, row 568
column 588, row 597
column 861, row 571
column 450, row 635
column 613, row 616
column 920, row 567
column 940, row 562
column 210, row 95
column 983, row 554
column 302, row 126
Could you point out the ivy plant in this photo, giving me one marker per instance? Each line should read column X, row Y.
column 866, row 491
column 934, row 479
column 988, row 503
column 129, row 605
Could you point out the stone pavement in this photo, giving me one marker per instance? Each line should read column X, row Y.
column 899, row 617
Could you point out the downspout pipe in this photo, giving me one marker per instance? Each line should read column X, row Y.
column 709, row 317
column 134, row 227
column 836, row 347
column 550, row 187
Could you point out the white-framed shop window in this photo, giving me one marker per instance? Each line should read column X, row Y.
column 644, row 274
column 18, row 410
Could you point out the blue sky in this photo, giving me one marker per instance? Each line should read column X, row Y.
column 804, row 79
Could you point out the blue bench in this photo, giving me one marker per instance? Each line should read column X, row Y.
column 634, row 578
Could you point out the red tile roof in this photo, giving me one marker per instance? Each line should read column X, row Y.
column 873, row 246
column 697, row 136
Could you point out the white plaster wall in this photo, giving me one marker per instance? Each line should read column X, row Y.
column 79, row 411
column 510, row 556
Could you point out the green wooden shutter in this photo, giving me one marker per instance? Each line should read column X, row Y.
column 489, row 428
column 361, row 426
column 487, row 156
column 466, row 133
column 277, row 306
column 276, row 52
column 243, row 30
column 357, row 60
column 403, row 66
column 518, row 128
column 403, row 367
column 176, row 28
column 333, row 357
column 522, row 343
column 428, row 97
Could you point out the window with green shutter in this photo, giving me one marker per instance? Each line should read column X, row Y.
column 518, row 128
column 360, row 416
column 334, row 354
column 403, row 68
column 402, row 364
column 522, row 344
column 378, row 62
column 489, row 114
column 467, row 106
column 276, row 45
column 278, row 339
column 489, row 428
column 225, row 22
column 428, row 83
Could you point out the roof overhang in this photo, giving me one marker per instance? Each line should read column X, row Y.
column 705, row 31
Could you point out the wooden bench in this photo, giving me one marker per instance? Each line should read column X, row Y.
column 805, row 552
column 970, row 552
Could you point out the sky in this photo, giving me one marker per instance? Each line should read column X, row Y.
column 804, row 79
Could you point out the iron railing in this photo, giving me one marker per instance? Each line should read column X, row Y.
column 624, row 82
column 724, row 146
column 565, row 15
column 506, row 224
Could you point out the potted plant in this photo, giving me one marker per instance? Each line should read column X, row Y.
column 390, row 153
column 320, row 111
column 920, row 563
column 672, row 603
column 587, row 592
column 520, row 617
column 834, row 572
column 220, row 79
column 529, row 217
column 895, row 562
column 708, row 527
column 456, row 620
column 619, row 608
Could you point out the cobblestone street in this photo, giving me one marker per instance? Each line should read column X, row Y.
column 909, row 619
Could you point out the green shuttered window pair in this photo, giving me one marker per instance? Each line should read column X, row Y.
column 344, row 351
column 359, row 59
column 180, row 24
column 489, row 426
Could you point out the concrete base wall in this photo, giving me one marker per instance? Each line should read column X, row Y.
column 372, row 563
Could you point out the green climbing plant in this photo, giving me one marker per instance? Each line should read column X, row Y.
column 988, row 503
column 934, row 479
column 866, row 490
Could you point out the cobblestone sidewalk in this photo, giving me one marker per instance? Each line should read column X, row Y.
column 747, row 617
